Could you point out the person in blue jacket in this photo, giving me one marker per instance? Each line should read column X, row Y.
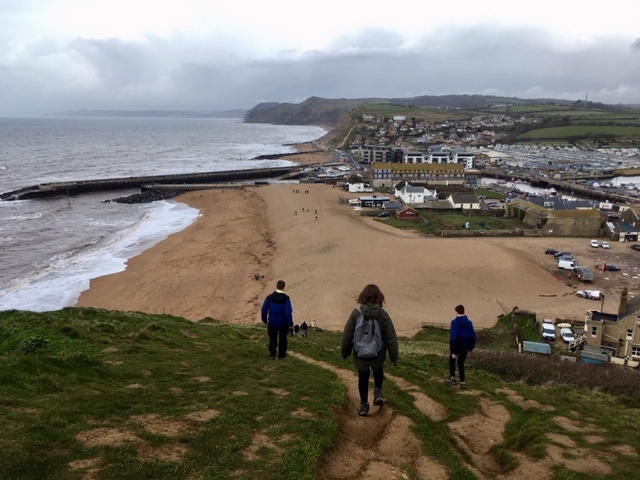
column 462, row 340
column 277, row 313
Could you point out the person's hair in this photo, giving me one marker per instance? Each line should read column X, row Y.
column 371, row 294
column 460, row 310
column 280, row 285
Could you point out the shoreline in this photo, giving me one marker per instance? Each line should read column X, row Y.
column 327, row 254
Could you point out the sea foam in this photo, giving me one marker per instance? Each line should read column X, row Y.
column 59, row 283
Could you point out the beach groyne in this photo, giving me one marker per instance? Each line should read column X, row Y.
column 47, row 190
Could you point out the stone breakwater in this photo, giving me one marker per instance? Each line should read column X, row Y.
column 113, row 184
column 148, row 196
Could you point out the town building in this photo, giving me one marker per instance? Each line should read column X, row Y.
column 568, row 222
column 407, row 214
column 413, row 194
column 464, row 201
column 386, row 175
column 615, row 335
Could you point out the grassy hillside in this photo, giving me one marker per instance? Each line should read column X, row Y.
column 552, row 122
column 88, row 393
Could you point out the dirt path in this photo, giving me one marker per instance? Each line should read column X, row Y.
column 384, row 446
column 380, row 446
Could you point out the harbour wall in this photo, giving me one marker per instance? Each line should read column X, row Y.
column 46, row 190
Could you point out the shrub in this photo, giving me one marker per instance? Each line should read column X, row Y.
column 33, row 345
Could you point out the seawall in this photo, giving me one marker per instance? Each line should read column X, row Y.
column 46, row 190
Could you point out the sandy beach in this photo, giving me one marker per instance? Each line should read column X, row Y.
column 327, row 253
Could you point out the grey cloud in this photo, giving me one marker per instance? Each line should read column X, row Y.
column 221, row 73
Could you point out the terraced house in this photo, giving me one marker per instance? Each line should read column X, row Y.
column 387, row 175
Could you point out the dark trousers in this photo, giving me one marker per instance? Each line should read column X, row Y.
column 278, row 344
column 462, row 356
column 363, row 382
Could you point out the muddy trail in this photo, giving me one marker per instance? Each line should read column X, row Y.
column 383, row 444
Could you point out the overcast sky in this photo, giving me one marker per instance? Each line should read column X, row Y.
column 213, row 55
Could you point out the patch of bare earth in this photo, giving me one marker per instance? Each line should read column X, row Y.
column 303, row 413
column 519, row 400
column 478, row 433
column 173, row 452
column 158, row 425
column 258, row 442
column 279, row 392
column 90, row 467
column 585, row 460
column 627, row 450
column 203, row 415
column 432, row 409
column 114, row 437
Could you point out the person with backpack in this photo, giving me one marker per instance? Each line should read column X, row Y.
column 369, row 333
column 277, row 313
column 462, row 340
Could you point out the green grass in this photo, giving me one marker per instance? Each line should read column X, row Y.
column 433, row 221
column 580, row 130
column 88, row 393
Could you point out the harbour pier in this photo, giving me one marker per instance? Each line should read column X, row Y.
column 186, row 181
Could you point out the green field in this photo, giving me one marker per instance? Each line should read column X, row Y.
column 580, row 130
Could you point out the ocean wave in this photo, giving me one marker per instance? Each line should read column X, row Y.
column 33, row 216
column 59, row 281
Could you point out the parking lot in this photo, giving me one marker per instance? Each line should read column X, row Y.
column 611, row 283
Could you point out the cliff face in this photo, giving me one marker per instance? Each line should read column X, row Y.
column 313, row 111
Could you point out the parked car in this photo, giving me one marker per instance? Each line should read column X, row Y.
column 384, row 214
column 584, row 274
column 610, row 268
column 567, row 257
column 604, row 244
column 551, row 251
column 548, row 330
column 595, row 244
column 592, row 294
column 561, row 254
column 636, row 246
column 567, row 335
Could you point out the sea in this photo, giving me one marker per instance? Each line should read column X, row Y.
column 50, row 249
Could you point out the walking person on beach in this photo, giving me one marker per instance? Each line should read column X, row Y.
column 462, row 340
column 371, row 301
column 277, row 313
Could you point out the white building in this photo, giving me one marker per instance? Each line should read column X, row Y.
column 412, row 195
column 465, row 158
column 359, row 188
column 416, row 157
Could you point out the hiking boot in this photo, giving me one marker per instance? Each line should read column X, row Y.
column 283, row 357
column 463, row 385
column 273, row 358
column 378, row 397
column 364, row 409
column 451, row 381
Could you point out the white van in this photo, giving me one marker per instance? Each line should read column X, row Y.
column 566, row 264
